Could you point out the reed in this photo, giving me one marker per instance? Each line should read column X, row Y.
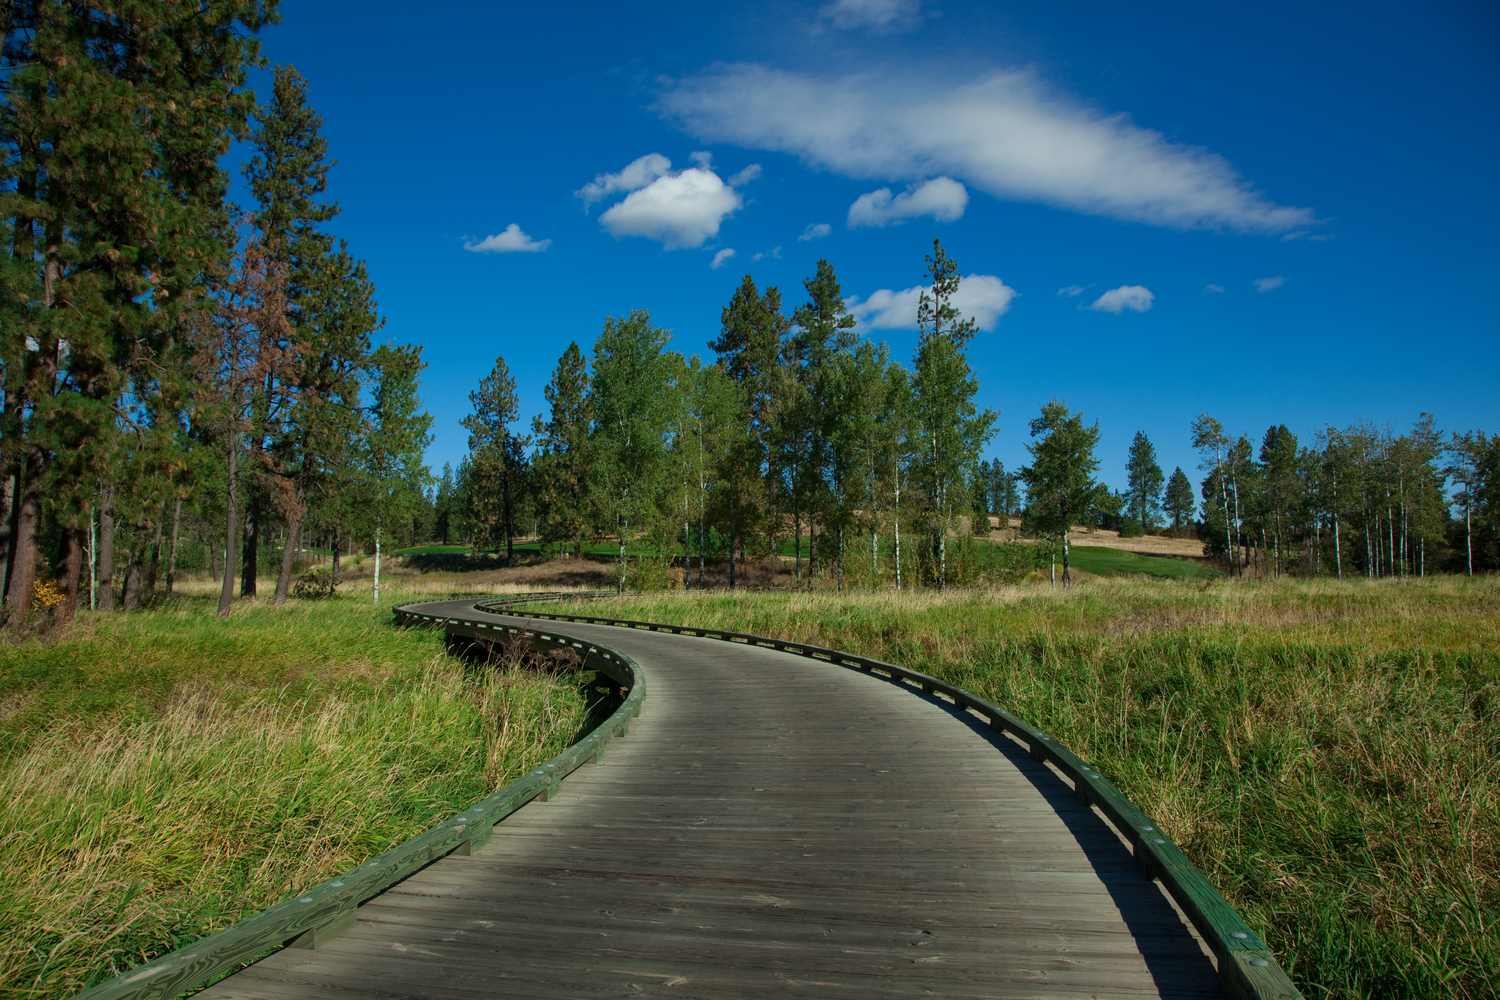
column 167, row 773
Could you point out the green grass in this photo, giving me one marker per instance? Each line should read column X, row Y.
column 1103, row 561
column 435, row 550
column 167, row 773
column 1328, row 754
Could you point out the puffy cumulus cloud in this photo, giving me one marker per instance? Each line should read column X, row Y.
column 510, row 241
column 1071, row 292
column 721, row 257
column 1004, row 133
column 981, row 297
column 1266, row 284
column 677, row 209
column 875, row 15
column 814, row 231
column 635, row 176
column 1134, row 297
column 943, row 198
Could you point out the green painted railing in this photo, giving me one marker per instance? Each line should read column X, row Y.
column 1246, row 964
column 310, row 919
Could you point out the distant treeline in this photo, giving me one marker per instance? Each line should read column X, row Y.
column 802, row 437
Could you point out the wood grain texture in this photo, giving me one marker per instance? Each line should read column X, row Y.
column 772, row 825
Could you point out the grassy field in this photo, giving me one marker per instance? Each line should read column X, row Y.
column 1328, row 754
column 1118, row 562
column 166, row 773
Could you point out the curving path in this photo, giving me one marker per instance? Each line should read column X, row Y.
column 772, row 825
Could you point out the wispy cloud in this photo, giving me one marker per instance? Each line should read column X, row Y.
column 721, row 257
column 875, row 15
column 512, row 240
column 677, row 208
column 814, row 231
column 772, row 254
column 1072, row 291
column 636, row 175
column 1005, row 133
column 1134, row 297
column 943, row 198
column 1266, row 284
column 1213, row 288
column 983, row 297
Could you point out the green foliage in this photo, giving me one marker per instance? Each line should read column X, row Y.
column 1144, row 478
column 562, row 461
column 1180, row 502
column 1060, row 487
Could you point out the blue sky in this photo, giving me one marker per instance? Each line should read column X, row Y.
column 1283, row 213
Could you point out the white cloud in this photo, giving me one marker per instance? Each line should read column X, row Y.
column 637, row 175
column 721, row 257
column 878, row 15
column 1117, row 300
column 1266, row 284
column 510, row 241
column 678, row 209
column 745, row 176
column 1213, row 288
column 943, row 198
column 702, row 159
column 983, row 297
column 814, row 231
column 1072, row 291
column 1004, row 133
column 774, row 254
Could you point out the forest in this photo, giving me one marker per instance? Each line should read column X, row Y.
column 192, row 385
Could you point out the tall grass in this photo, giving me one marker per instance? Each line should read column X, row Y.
column 1328, row 754
column 166, row 773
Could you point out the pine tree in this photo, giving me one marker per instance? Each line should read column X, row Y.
column 951, row 429
column 1180, row 502
column 1144, row 480
column 563, row 460
column 500, row 469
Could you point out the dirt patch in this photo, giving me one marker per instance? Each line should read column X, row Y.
column 1146, row 545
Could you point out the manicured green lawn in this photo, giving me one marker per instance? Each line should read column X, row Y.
column 1101, row 561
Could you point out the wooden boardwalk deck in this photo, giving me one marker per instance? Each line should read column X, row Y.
column 771, row 825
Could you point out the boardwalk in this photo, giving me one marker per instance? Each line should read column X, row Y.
column 771, row 826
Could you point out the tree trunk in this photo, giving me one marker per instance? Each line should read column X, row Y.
column 213, row 559
column 335, row 570
column 155, row 564
column 231, row 533
column 69, row 568
column 7, row 525
column 377, row 563
column 288, row 555
column 1067, row 580
column 172, row 559
column 623, row 525
column 249, row 559
column 130, row 598
column 731, row 540
column 21, row 590
column 107, row 552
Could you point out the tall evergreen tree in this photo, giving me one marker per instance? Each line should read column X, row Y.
column 951, row 428
column 1144, row 481
column 563, row 461
column 1180, row 502
column 499, row 468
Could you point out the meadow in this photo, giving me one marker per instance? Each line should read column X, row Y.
column 167, row 773
column 1327, row 753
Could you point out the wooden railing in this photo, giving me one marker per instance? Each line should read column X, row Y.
column 1246, row 964
column 310, row 919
